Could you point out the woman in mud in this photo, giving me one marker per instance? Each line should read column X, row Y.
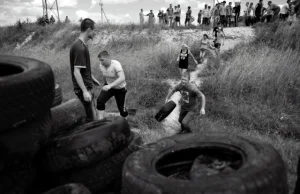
column 204, row 47
column 183, row 59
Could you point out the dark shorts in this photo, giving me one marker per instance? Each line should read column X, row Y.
column 177, row 19
column 183, row 65
column 217, row 45
column 120, row 96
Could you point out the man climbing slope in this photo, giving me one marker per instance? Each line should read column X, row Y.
column 190, row 96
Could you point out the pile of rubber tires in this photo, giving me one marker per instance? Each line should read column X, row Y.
column 209, row 163
column 46, row 145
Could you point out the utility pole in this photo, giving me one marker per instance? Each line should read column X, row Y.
column 51, row 7
column 101, row 4
column 102, row 12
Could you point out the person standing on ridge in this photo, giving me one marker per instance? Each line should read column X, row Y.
column 228, row 14
column 115, row 84
column 84, row 82
column 199, row 17
column 190, row 97
column 237, row 12
column 275, row 8
column 151, row 19
column 170, row 12
column 205, row 15
column 188, row 17
column 142, row 17
column 258, row 11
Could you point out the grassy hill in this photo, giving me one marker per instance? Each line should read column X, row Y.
column 255, row 92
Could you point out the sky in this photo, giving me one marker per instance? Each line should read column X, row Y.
column 117, row 11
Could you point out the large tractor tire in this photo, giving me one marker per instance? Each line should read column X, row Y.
column 71, row 188
column 297, row 186
column 27, row 90
column 66, row 116
column 86, row 144
column 17, row 172
column 104, row 176
column 244, row 166
column 58, row 98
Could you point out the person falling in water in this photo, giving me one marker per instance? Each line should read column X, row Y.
column 183, row 59
column 190, row 97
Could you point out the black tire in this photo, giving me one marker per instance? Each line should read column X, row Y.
column 66, row 116
column 165, row 111
column 89, row 143
column 105, row 176
column 71, row 188
column 58, row 98
column 27, row 90
column 18, row 174
column 297, row 186
column 27, row 139
column 261, row 169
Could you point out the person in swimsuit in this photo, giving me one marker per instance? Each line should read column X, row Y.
column 183, row 59
column 218, row 34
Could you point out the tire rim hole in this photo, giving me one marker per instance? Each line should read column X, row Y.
column 7, row 70
column 209, row 161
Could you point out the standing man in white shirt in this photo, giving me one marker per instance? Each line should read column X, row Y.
column 115, row 84
column 284, row 12
column 142, row 17
column 170, row 12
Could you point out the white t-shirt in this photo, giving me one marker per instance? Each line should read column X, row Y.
column 285, row 9
column 110, row 73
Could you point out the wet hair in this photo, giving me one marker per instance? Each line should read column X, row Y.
column 205, row 35
column 86, row 24
column 103, row 54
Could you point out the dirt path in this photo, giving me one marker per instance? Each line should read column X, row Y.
column 234, row 36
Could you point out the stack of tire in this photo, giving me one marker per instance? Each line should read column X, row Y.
column 45, row 144
column 26, row 96
column 172, row 166
column 92, row 154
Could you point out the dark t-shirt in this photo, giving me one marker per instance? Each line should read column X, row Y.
column 80, row 57
column 189, row 96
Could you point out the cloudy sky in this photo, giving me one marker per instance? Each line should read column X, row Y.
column 117, row 11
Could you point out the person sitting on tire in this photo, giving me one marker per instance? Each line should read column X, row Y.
column 82, row 78
column 115, row 84
column 183, row 59
column 189, row 102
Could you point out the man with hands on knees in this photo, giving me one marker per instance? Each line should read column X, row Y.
column 190, row 96
column 115, row 84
